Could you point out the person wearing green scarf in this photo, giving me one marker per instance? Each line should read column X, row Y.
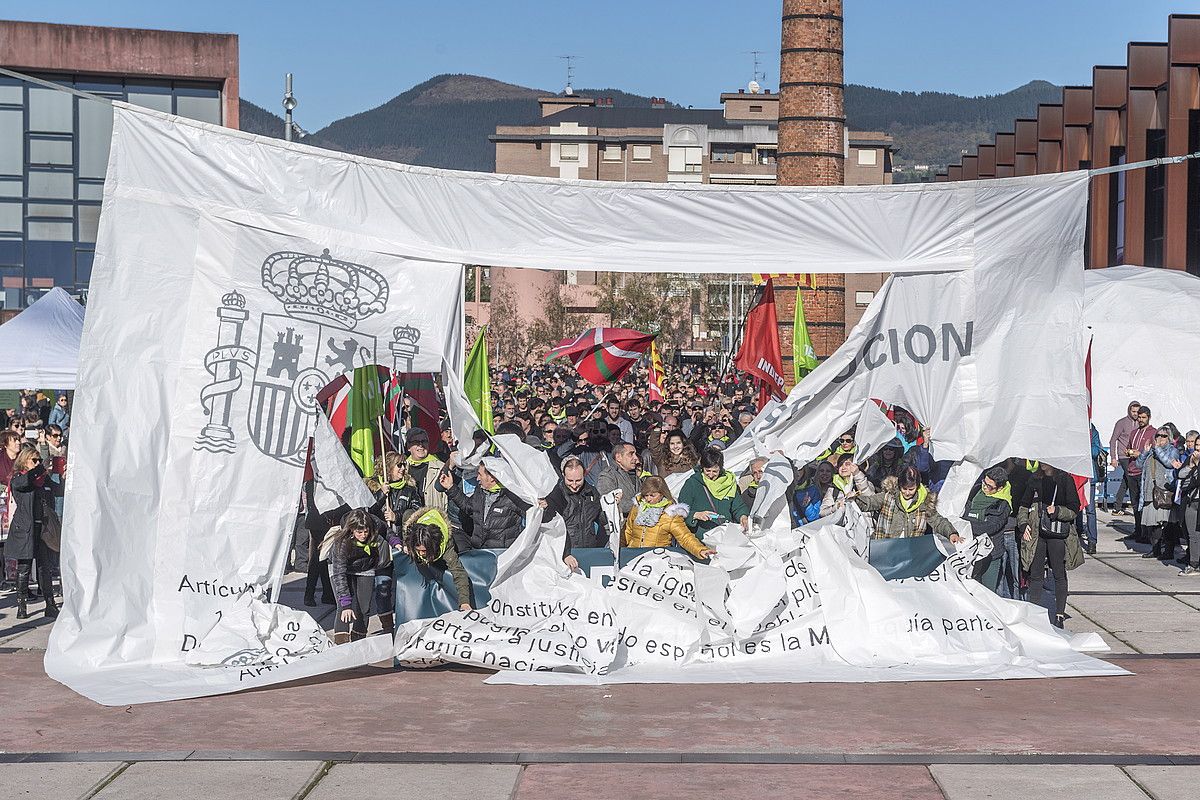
column 427, row 541
column 425, row 468
column 711, row 495
column 358, row 554
column 848, row 482
column 905, row 508
column 988, row 512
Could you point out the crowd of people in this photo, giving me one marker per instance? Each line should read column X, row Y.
column 614, row 442
column 33, row 471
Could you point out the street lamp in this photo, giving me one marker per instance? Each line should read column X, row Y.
column 289, row 103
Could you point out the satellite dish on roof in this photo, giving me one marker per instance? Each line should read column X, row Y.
column 569, row 90
column 753, row 87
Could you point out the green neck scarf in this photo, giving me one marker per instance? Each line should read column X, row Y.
column 723, row 488
column 400, row 484
column 917, row 500
column 364, row 546
column 643, row 505
column 494, row 490
column 438, row 520
column 1032, row 466
column 1003, row 493
column 843, row 484
column 416, row 462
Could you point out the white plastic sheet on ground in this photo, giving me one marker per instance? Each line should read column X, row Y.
column 1145, row 325
column 236, row 275
column 784, row 606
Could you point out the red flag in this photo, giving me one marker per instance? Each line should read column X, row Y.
column 603, row 355
column 759, row 355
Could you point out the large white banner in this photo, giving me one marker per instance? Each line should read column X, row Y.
column 235, row 276
column 783, row 606
column 1145, row 326
column 991, row 359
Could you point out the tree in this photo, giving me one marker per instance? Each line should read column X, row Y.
column 658, row 303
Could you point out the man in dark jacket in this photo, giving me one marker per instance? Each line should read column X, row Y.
column 621, row 473
column 988, row 512
column 579, row 506
column 497, row 515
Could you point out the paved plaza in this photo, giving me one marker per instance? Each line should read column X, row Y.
column 374, row 732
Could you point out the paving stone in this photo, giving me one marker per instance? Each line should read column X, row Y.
column 1022, row 781
column 205, row 780
column 1163, row 642
column 726, row 781
column 1168, row 783
column 55, row 781
column 417, row 782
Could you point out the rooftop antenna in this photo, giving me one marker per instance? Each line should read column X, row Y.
column 570, row 59
column 759, row 76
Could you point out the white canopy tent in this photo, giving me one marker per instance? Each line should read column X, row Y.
column 1145, row 325
column 41, row 344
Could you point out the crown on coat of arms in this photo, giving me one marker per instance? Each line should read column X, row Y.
column 324, row 289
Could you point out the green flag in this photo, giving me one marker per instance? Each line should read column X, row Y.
column 366, row 404
column 477, row 383
column 804, row 358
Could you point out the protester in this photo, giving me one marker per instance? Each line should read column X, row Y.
column 847, row 483
column 26, row 537
column 357, row 553
column 1189, row 503
column 712, row 496
column 424, row 468
column 806, row 495
column 656, row 520
column 748, row 483
column 427, row 541
column 579, row 506
column 1140, row 439
column 60, row 415
column 1156, row 464
column 1118, row 455
column 397, row 498
column 905, row 507
column 1044, row 521
column 887, row 463
column 621, row 474
column 988, row 512
column 675, row 455
column 497, row 515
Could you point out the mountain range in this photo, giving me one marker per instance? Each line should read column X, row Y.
column 445, row 121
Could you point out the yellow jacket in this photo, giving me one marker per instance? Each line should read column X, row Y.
column 670, row 527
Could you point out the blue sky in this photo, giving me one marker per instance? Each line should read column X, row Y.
column 352, row 55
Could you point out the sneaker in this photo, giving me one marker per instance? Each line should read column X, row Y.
column 1189, row 571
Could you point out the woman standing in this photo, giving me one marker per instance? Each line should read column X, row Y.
column 1189, row 502
column 712, row 497
column 1045, row 522
column 397, row 499
column 847, row 483
column 1158, row 462
column 675, row 454
column 25, row 544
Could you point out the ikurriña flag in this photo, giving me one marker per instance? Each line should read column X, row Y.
column 603, row 355
column 759, row 355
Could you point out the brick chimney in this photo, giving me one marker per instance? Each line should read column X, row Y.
column 812, row 150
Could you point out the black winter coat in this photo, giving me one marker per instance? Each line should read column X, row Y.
column 582, row 514
column 502, row 523
column 25, row 531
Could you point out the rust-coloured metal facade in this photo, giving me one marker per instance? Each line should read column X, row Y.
column 1147, row 108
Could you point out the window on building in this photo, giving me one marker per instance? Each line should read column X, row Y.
column 766, row 155
column 612, row 152
column 1116, row 208
column 53, row 159
column 868, row 157
column 1193, row 195
column 568, row 151
column 685, row 159
column 755, row 109
column 863, row 299
column 1156, row 200
column 642, row 152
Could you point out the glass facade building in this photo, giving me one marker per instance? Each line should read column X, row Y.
column 53, row 155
